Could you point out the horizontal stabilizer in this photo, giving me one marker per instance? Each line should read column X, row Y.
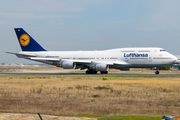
column 10, row 53
column 22, row 55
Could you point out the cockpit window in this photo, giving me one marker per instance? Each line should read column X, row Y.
column 162, row 50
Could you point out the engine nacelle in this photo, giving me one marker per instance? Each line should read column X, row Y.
column 125, row 69
column 102, row 67
column 68, row 65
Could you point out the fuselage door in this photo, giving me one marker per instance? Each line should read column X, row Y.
column 98, row 58
column 126, row 59
column 150, row 58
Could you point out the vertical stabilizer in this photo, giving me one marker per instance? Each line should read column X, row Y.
column 26, row 42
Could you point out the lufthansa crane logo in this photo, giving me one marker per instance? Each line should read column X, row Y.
column 24, row 40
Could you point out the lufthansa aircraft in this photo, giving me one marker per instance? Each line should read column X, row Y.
column 93, row 61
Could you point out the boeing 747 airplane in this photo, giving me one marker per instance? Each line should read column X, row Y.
column 93, row 61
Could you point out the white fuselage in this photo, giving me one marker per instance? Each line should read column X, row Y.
column 114, row 58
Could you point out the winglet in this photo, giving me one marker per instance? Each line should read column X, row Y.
column 26, row 42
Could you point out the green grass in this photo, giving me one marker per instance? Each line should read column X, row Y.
column 95, row 96
column 129, row 118
column 119, row 117
column 94, row 116
column 102, row 88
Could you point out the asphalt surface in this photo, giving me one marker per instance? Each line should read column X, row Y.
column 82, row 74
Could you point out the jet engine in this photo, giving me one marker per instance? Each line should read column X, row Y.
column 68, row 65
column 102, row 67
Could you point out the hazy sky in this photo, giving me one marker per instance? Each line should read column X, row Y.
column 90, row 24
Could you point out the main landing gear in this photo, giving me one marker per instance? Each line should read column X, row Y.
column 95, row 72
column 104, row 72
column 157, row 72
column 91, row 72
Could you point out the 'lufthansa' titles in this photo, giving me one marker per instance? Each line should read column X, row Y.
column 135, row 55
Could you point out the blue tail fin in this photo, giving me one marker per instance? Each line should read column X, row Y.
column 26, row 42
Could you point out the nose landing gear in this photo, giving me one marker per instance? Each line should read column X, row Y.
column 157, row 72
column 95, row 72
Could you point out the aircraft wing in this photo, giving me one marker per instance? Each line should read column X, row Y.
column 59, row 60
column 122, row 63
column 35, row 58
column 45, row 59
column 77, row 61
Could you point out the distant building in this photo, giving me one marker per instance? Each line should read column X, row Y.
column 175, row 65
column 11, row 64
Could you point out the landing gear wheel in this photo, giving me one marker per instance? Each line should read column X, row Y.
column 104, row 72
column 157, row 72
column 91, row 72
column 94, row 72
column 87, row 72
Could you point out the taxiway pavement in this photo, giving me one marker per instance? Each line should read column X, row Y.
column 83, row 74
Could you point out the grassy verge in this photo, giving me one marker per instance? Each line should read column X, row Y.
column 130, row 118
column 119, row 117
column 91, row 95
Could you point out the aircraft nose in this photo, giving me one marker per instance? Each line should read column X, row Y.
column 174, row 58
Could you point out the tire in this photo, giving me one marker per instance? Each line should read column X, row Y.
column 157, row 72
column 87, row 72
column 91, row 72
column 94, row 72
column 104, row 72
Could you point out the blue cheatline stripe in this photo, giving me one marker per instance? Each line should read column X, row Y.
column 31, row 45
